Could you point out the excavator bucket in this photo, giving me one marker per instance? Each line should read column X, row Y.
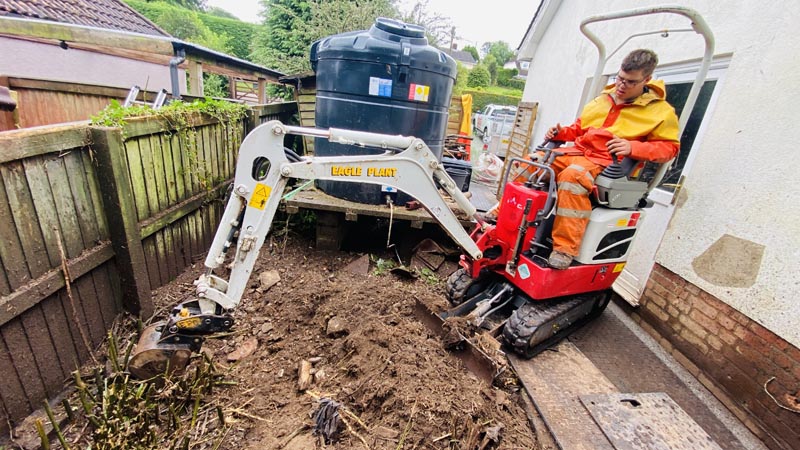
column 153, row 356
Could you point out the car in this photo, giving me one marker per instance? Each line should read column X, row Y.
column 494, row 120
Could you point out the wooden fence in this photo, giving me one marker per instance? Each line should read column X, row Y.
column 119, row 213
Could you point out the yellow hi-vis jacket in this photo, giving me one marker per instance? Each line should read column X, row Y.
column 648, row 121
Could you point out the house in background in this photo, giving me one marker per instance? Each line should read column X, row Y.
column 92, row 49
column 461, row 56
column 714, row 277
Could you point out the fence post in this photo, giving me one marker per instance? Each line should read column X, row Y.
column 120, row 210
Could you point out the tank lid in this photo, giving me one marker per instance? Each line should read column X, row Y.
column 399, row 28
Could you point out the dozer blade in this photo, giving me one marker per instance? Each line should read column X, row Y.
column 153, row 357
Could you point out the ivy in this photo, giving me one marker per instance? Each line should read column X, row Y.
column 177, row 117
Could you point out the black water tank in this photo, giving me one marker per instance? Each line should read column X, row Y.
column 384, row 80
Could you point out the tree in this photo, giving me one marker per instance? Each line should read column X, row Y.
column 490, row 62
column 479, row 77
column 198, row 5
column 219, row 12
column 186, row 25
column 291, row 26
column 438, row 27
column 472, row 51
column 501, row 52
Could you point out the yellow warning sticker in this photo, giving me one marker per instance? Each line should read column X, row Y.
column 618, row 267
column 622, row 222
column 191, row 322
column 260, row 196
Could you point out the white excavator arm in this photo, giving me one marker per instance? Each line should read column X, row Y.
column 262, row 172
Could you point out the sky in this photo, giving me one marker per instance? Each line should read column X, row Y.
column 476, row 22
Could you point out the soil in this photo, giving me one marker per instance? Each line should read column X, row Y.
column 395, row 384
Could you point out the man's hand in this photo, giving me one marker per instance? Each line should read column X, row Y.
column 552, row 132
column 619, row 147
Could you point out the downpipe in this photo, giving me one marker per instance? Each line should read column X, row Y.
column 179, row 58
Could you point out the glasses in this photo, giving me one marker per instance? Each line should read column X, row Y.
column 626, row 82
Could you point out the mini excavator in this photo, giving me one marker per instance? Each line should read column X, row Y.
column 503, row 265
column 503, row 272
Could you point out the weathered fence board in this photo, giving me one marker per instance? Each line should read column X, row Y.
column 62, row 189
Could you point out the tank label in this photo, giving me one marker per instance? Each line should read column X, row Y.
column 381, row 87
column 419, row 92
column 355, row 171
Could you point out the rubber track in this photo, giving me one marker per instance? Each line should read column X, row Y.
column 532, row 315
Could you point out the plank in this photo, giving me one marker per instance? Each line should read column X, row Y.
column 44, row 351
column 136, row 171
column 80, row 197
column 169, row 169
column 34, row 291
column 12, row 393
column 555, row 380
column 84, row 294
column 11, row 252
column 30, row 142
column 158, row 177
column 107, row 298
column 24, row 215
column 96, row 205
column 22, row 359
column 56, row 319
column 63, row 207
column 75, row 326
column 148, row 172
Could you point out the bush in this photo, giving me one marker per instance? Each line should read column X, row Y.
column 479, row 77
column 482, row 98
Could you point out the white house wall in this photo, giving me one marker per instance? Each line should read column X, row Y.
column 738, row 211
column 26, row 59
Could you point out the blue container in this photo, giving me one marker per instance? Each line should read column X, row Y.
column 383, row 80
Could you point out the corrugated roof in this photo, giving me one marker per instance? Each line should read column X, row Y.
column 108, row 14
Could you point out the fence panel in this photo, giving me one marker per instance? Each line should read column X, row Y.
column 50, row 218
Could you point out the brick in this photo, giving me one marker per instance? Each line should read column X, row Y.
column 683, row 306
column 661, row 291
column 781, row 359
column 740, row 361
column 693, row 327
column 794, row 353
column 673, row 311
column 714, row 342
column 694, row 340
column 741, row 332
column 657, row 311
column 693, row 290
column 706, row 322
column 686, row 363
column 707, row 306
column 657, row 299
column 726, row 321
column 727, row 337
column 771, row 338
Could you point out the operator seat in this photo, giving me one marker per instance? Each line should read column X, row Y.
column 616, row 190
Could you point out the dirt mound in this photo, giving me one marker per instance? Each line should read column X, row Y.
column 383, row 375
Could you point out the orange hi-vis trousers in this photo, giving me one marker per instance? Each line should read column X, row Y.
column 575, row 176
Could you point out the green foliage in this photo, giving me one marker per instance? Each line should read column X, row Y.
column 292, row 26
column 120, row 412
column 382, row 266
column 215, row 85
column 472, row 51
column 177, row 117
column 429, row 276
column 479, row 77
column 197, row 5
column 483, row 97
column 240, row 33
column 461, row 79
column 183, row 23
column 505, row 78
column 490, row 62
column 500, row 50
column 219, row 12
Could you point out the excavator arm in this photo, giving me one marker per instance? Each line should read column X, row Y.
column 262, row 172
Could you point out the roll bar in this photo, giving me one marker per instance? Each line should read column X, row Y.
column 698, row 25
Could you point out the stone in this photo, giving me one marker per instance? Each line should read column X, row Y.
column 336, row 327
column 267, row 279
column 244, row 350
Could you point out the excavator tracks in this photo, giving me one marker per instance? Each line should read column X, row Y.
column 535, row 326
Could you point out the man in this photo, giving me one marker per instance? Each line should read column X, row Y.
column 630, row 118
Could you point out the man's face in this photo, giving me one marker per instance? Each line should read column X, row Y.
column 630, row 85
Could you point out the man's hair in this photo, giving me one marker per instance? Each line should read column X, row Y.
column 641, row 59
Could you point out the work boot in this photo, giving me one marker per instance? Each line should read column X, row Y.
column 559, row 260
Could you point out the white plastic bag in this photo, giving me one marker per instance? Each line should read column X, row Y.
column 487, row 169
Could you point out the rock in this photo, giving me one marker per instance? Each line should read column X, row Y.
column 336, row 327
column 382, row 432
column 266, row 327
column 359, row 267
column 267, row 279
column 244, row 350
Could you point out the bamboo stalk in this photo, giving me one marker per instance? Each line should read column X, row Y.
column 55, row 426
column 42, row 435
